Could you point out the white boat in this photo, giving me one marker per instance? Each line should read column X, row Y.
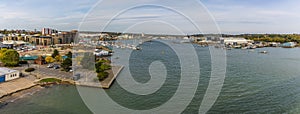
column 252, row 47
column 136, row 48
column 185, row 38
column 244, row 48
column 264, row 52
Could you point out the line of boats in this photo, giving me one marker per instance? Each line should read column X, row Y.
column 127, row 46
column 113, row 44
column 250, row 47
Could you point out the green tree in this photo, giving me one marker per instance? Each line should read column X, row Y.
column 69, row 54
column 66, row 65
column 102, row 75
column 55, row 53
column 98, row 67
column 10, row 58
column 101, row 67
column 104, row 67
column 2, row 52
column 58, row 58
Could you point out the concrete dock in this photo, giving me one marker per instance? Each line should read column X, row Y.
column 24, row 83
column 13, row 86
column 89, row 78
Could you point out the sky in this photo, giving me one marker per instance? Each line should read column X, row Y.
column 154, row 16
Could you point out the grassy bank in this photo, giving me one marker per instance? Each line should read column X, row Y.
column 50, row 80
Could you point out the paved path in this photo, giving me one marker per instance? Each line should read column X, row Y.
column 29, row 79
column 42, row 71
column 89, row 78
column 16, row 85
column 57, row 73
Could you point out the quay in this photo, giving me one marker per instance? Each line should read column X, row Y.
column 31, row 81
column 88, row 78
column 13, row 86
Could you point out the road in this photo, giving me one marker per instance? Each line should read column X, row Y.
column 44, row 71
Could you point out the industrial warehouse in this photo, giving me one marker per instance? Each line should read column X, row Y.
column 7, row 74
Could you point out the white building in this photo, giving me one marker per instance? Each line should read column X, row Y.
column 236, row 41
column 101, row 53
column 7, row 74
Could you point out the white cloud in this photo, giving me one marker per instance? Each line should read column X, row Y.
column 258, row 17
column 233, row 16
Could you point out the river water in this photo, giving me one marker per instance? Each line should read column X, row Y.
column 254, row 83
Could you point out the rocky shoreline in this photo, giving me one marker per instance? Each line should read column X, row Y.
column 37, row 86
column 12, row 97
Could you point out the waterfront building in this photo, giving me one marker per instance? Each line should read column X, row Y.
column 289, row 44
column 205, row 40
column 41, row 40
column 45, row 38
column 274, row 44
column 64, row 37
column 7, row 74
column 10, row 37
column 236, row 41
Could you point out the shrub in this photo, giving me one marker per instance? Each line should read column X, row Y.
column 55, row 53
column 23, row 62
column 29, row 69
column 102, row 75
column 49, row 59
column 11, row 64
column 47, row 80
column 105, row 67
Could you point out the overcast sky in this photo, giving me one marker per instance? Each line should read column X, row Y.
column 231, row 16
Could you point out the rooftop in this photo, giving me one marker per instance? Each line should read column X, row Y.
column 4, row 70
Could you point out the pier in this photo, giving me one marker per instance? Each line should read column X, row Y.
column 89, row 78
column 13, row 86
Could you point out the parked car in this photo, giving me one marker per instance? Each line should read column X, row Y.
column 50, row 65
column 56, row 66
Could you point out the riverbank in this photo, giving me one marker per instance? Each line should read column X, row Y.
column 19, row 88
column 29, row 91
column 16, row 85
column 12, row 97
